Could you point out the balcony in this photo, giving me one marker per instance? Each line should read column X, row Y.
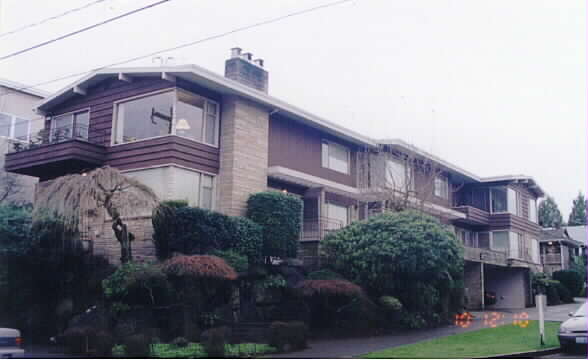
column 316, row 229
column 486, row 255
column 551, row 259
column 474, row 216
column 56, row 152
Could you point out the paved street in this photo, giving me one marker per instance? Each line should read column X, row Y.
column 345, row 348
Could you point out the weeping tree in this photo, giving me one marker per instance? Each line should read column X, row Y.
column 72, row 196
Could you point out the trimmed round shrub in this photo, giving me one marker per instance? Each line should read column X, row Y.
column 572, row 280
column 137, row 283
column 199, row 266
column 390, row 303
column 279, row 214
column 564, row 294
column 345, row 288
column 195, row 231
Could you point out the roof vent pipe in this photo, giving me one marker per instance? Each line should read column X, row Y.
column 235, row 52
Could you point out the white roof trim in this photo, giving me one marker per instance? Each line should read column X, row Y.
column 222, row 84
column 24, row 88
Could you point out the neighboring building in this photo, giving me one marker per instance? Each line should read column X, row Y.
column 17, row 123
column 213, row 140
column 557, row 249
column 580, row 234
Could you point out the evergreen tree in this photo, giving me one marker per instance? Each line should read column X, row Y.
column 549, row 214
column 578, row 214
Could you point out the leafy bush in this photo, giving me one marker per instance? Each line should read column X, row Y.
column 193, row 231
column 119, row 351
column 286, row 336
column 199, row 266
column 390, row 303
column 234, row 259
column 552, row 293
column 279, row 216
column 214, row 341
column 572, row 280
column 413, row 321
column 324, row 274
column 328, row 288
column 137, row 345
column 164, row 225
column 137, row 284
column 564, row 294
column 104, row 343
column 180, row 342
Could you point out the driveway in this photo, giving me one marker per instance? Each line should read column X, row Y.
column 353, row 347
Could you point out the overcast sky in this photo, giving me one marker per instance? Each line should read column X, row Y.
column 494, row 86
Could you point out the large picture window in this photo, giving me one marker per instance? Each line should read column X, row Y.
column 171, row 182
column 175, row 112
column 74, row 125
column 500, row 241
column 498, row 200
column 335, row 157
column 398, row 176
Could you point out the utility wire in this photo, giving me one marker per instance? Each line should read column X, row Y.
column 24, row 27
column 83, row 29
column 212, row 37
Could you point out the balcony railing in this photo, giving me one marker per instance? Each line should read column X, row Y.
column 56, row 135
column 315, row 229
column 551, row 258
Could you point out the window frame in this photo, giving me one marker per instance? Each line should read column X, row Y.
column 13, row 121
column 175, row 90
column 72, row 123
column 329, row 204
column 532, row 204
column 493, row 248
column 200, row 174
column 328, row 144
column 444, row 191
column 408, row 174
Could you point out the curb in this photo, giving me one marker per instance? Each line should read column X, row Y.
column 526, row 354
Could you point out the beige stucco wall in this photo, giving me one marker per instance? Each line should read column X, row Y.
column 243, row 154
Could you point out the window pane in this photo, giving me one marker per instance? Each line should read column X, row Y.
column 186, row 186
column 154, row 178
column 396, row 175
column 189, row 117
column 441, row 187
column 512, row 201
column 498, row 200
column 61, row 127
column 211, row 108
column 210, row 130
column 338, row 158
column 500, row 240
column 5, row 124
column 337, row 216
column 82, row 123
column 21, row 129
column 484, row 240
column 532, row 210
column 206, row 192
column 145, row 117
column 325, row 154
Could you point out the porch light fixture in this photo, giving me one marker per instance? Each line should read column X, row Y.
column 284, row 191
column 550, row 243
column 182, row 125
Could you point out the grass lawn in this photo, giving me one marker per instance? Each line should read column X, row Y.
column 485, row 342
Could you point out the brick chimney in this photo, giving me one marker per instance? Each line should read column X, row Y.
column 242, row 68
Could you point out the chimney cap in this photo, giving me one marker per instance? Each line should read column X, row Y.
column 235, row 52
column 248, row 56
column 258, row 62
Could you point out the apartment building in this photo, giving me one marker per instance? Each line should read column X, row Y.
column 213, row 140
column 17, row 122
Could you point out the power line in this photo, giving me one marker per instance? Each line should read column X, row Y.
column 212, row 37
column 83, row 29
column 24, row 27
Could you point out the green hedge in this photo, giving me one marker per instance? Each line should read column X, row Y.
column 279, row 214
column 191, row 231
column 572, row 280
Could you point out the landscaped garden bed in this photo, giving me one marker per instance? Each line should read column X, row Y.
column 506, row 339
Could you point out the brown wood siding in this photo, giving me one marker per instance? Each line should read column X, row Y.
column 298, row 147
column 164, row 150
column 424, row 183
column 505, row 221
